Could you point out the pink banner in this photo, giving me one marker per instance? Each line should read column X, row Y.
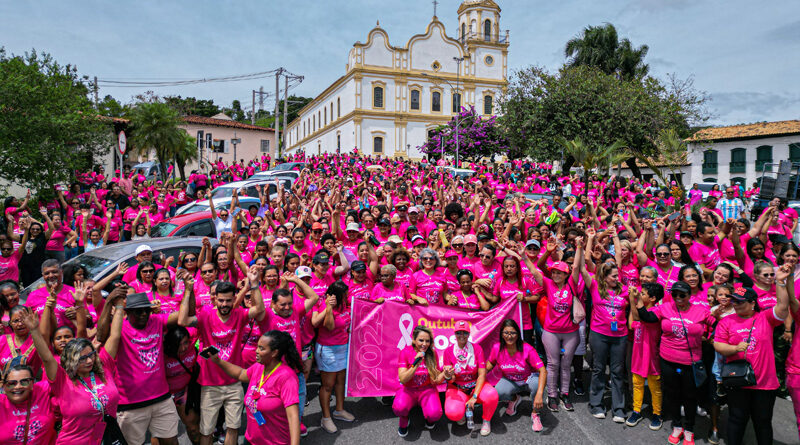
column 380, row 331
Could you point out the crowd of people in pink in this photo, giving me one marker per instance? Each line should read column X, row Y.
column 679, row 303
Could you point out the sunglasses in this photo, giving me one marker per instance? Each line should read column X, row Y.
column 665, row 254
column 148, row 270
column 189, row 259
column 532, row 248
column 509, row 334
column 428, row 259
column 458, row 245
column 206, row 272
column 680, row 295
column 90, row 355
column 23, row 383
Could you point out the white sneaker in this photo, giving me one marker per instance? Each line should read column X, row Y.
column 343, row 415
column 599, row 415
column 701, row 412
column 618, row 419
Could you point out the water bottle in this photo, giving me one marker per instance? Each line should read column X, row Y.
column 470, row 420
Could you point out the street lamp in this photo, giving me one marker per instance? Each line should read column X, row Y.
column 458, row 60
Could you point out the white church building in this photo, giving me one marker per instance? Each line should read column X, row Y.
column 391, row 96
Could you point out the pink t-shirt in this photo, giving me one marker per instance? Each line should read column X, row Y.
column 140, row 361
column 341, row 319
column 9, row 266
column 279, row 391
column 360, row 291
column 82, row 416
column 250, row 336
column 645, row 359
column 629, row 274
column 225, row 336
column 420, row 379
column 674, row 344
column 470, row 302
column 492, row 272
column 57, row 238
column 177, row 377
column 608, row 314
column 520, row 366
column 466, row 366
column 292, row 325
column 41, row 425
column 558, row 317
column 397, row 293
column 667, row 277
column 708, row 256
column 766, row 298
column 506, row 290
column 793, row 360
column 430, row 287
column 734, row 329
column 64, row 300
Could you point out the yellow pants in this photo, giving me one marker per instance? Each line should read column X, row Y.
column 654, row 383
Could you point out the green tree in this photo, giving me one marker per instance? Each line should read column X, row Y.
column 110, row 107
column 583, row 102
column 48, row 126
column 589, row 157
column 600, row 47
column 295, row 103
column 236, row 112
column 186, row 152
column 190, row 106
column 154, row 127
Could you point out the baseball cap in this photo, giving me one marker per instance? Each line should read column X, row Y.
column 353, row 227
column 533, row 242
column 395, row 239
column 358, row 266
column 418, row 240
column 682, row 287
column 303, row 271
column 461, row 326
column 413, row 209
column 143, row 248
column 316, row 226
column 470, row 239
column 559, row 265
column 778, row 238
column 414, row 228
column 744, row 294
column 456, row 239
column 320, row 258
column 484, row 237
column 450, row 253
column 384, row 222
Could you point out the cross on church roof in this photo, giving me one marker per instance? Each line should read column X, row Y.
column 435, row 3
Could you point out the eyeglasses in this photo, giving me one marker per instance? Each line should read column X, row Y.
column 509, row 334
column 205, row 272
column 23, row 383
column 427, row 258
column 458, row 245
column 190, row 259
column 88, row 356
column 665, row 254
column 148, row 271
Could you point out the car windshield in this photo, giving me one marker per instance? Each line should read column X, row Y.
column 93, row 264
column 162, row 229
column 222, row 192
column 705, row 187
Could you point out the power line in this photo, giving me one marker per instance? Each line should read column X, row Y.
column 153, row 84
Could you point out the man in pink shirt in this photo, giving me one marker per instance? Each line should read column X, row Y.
column 145, row 401
column 221, row 327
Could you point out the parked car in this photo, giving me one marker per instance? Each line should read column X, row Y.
column 704, row 187
column 104, row 260
column 250, row 187
column 289, row 166
column 461, row 173
column 219, row 203
column 292, row 175
column 151, row 170
column 190, row 224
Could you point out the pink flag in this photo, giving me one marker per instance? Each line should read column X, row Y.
column 379, row 332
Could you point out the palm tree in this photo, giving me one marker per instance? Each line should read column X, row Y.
column 600, row 47
column 155, row 127
column 589, row 157
column 186, row 152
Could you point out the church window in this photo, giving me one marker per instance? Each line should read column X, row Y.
column 436, row 101
column 487, row 104
column 487, row 30
column 377, row 97
column 414, row 103
column 377, row 144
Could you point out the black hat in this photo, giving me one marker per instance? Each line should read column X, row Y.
column 402, row 208
column 358, row 266
column 744, row 294
column 384, row 222
column 138, row 301
column 778, row 238
column 484, row 237
column 320, row 258
column 681, row 287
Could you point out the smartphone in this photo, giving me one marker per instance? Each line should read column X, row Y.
column 673, row 216
column 209, row 351
column 416, row 361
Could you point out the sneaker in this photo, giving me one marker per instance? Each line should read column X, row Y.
column 676, row 436
column 429, row 426
column 486, row 428
column 536, row 423
column 688, row 438
column 511, row 409
column 701, row 412
column 328, row 425
column 303, row 430
column 552, row 404
column 343, row 415
column 402, row 432
column 462, row 421
column 618, row 419
column 579, row 391
column 600, row 415
column 567, row 404
column 633, row 419
column 656, row 422
column 713, row 437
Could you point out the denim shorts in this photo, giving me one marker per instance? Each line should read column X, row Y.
column 331, row 358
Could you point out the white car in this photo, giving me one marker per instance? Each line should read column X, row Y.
column 222, row 203
column 249, row 187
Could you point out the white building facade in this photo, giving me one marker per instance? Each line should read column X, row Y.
column 391, row 97
column 739, row 153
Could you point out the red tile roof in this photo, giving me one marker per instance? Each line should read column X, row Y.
column 202, row 120
column 747, row 131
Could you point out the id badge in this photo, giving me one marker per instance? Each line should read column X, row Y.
column 259, row 418
column 614, row 326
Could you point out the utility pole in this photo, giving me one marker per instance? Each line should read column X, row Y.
column 261, row 98
column 96, row 94
column 276, row 125
column 458, row 60
column 285, row 109
column 253, row 114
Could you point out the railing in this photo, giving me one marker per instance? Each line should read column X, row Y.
column 502, row 38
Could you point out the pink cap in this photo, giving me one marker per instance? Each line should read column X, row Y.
column 461, row 326
column 450, row 253
column 559, row 265
column 470, row 239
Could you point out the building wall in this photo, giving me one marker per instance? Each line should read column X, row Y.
column 723, row 175
column 249, row 149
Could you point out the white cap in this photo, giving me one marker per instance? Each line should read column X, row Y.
column 303, row 271
column 353, row 226
column 143, row 248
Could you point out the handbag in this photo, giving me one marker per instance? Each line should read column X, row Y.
column 698, row 367
column 577, row 309
column 739, row 373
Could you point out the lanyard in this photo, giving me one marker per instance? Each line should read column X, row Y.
column 265, row 377
column 96, row 403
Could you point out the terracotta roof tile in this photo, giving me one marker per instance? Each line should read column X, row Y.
column 202, row 120
column 746, row 131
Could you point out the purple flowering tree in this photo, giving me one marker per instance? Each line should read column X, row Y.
column 478, row 137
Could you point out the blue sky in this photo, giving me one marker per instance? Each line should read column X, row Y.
column 743, row 53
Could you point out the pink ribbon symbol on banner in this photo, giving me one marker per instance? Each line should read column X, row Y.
column 405, row 324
